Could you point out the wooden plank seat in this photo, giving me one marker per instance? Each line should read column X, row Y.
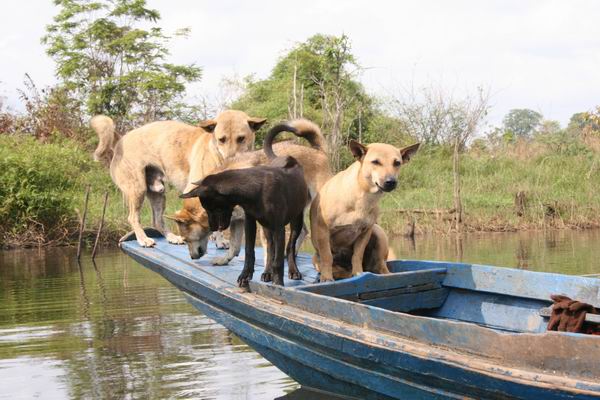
column 403, row 291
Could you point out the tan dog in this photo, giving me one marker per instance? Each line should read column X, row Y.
column 193, row 221
column 171, row 151
column 344, row 213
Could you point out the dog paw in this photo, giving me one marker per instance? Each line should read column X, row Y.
column 325, row 279
column 219, row 240
column 220, row 261
column 222, row 244
column 174, row 239
column 278, row 279
column 146, row 242
column 295, row 275
column 244, row 280
column 266, row 277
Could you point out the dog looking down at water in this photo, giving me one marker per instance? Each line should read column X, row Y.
column 169, row 151
column 343, row 215
column 193, row 221
column 273, row 195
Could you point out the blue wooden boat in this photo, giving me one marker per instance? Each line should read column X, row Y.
column 428, row 330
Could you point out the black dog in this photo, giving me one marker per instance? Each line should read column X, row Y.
column 274, row 195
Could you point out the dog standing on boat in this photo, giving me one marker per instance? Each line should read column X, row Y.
column 169, row 151
column 273, row 195
column 193, row 221
column 344, row 212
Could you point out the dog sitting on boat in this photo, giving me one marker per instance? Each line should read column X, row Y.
column 344, row 212
column 273, row 195
column 193, row 221
column 178, row 152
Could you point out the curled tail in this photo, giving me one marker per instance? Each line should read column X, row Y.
column 105, row 129
column 277, row 129
column 311, row 132
column 300, row 127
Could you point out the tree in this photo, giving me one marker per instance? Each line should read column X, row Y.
column 522, row 122
column 316, row 79
column 113, row 65
column 438, row 118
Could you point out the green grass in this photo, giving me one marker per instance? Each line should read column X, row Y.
column 42, row 191
column 42, row 187
column 568, row 183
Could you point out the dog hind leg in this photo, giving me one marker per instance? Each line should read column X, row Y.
column 157, row 203
column 279, row 250
column 269, row 252
column 296, row 229
column 135, row 200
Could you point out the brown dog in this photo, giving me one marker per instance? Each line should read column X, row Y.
column 193, row 221
column 173, row 151
column 344, row 212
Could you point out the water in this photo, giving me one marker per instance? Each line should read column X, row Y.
column 116, row 330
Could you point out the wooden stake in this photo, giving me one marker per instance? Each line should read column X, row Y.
column 82, row 224
column 101, row 225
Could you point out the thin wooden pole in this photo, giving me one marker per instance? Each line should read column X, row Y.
column 82, row 224
column 101, row 225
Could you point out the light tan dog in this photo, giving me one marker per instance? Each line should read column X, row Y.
column 344, row 213
column 169, row 151
column 193, row 221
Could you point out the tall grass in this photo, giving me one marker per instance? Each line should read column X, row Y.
column 562, row 190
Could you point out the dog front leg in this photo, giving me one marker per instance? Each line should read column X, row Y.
column 358, row 251
column 323, row 258
column 235, row 243
column 250, row 232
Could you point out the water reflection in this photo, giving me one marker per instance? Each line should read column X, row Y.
column 114, row 329
column 568, row 252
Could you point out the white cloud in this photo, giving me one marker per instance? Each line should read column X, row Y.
column 543, row 55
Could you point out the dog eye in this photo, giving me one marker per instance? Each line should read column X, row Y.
column 240, row 139
column 397, row 163
column 223, row 139
column 376, row 162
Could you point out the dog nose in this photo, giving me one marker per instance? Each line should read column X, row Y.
column 390, row 184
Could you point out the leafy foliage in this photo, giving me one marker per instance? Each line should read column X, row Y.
column 114, row 66
column 522, row 122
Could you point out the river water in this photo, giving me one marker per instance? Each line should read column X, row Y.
column 114, row 329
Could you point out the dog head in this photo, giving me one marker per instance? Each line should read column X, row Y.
column 193, row 227
column 233, row 131
column 218, row 207
column 380, row 164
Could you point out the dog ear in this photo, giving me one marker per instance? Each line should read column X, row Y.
column 256, row 123
column 358, row 150
column 409, row 151
column 208, row 125
column 195, row 192
column 177, row 218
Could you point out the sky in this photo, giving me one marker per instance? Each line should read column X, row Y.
column 542, row 55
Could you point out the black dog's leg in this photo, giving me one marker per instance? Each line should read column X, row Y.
column 248, row 271
column 267, row 275
column 279, row 245
column 296, row 226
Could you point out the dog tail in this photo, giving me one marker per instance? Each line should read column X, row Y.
column 107, row 138
column 277, row 129
column 311, row 132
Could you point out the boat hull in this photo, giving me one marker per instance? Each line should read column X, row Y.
column 332, row 356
